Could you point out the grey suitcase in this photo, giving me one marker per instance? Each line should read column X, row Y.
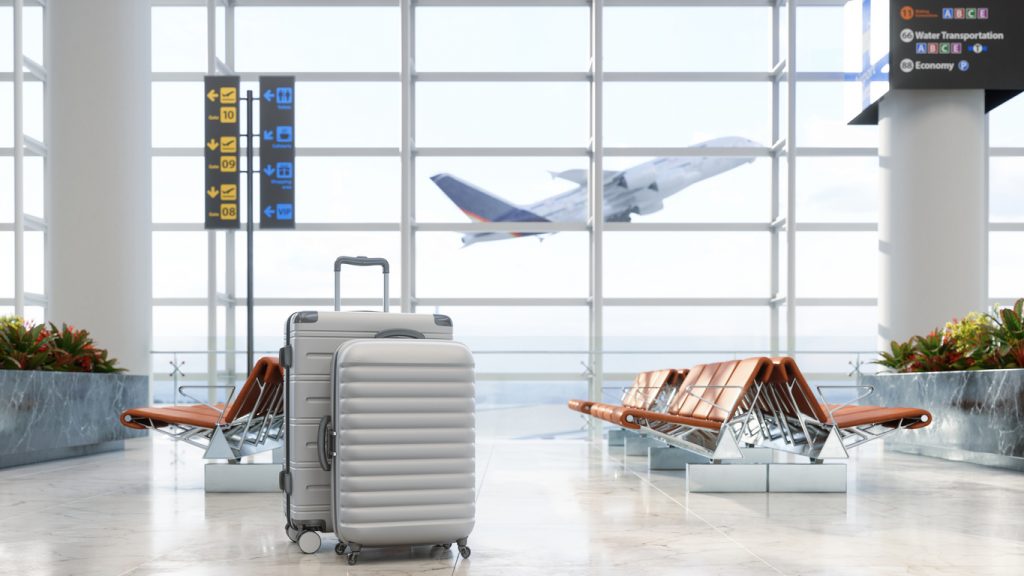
column 311, row 339
column 400, row 445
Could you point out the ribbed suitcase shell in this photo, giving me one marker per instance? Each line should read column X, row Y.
column 314, row 337
column 404, row 464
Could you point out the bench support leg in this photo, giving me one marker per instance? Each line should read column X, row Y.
column 727, row 478
column 637, row 445
column 617, row 437
column 671, row 458
column 807, row 478
column 242, row 477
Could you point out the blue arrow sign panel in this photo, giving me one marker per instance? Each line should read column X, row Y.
column 277, row 152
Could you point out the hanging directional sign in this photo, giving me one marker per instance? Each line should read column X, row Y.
column 277, row 152
column 967, row 44
column 221, row 147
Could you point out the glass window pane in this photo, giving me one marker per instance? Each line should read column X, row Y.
column 1005, row 122
column 559, row 39
column 639, row 338
column 32, row 114
column 502, row 114
column 735, row 189
column 178, row 114
column 179, row 39
column 315, row 38
column 7, row 263
column 1006, row 181
column 348, row 189
column 7, row 115
column 32, row 33
column 299, row 264
column 6, row 47
column 823, row 111
column 513, row 267
column 684, row 114
column 678, row 39
column 527, row 183
column 834, row 328
column 178, row 189
column 1005, row 274
column 820, row 39
column 6, row 190
column 837, row 189
column 836, row 264
column 521, row 338
column 528, row 410
column 35, row 254
column 179, row 264
column 683, row 264
column 348, row 114
column 34, row 179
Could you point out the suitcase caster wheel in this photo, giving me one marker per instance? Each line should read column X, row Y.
column 340, row 549
column 309, row 542
column 445, row 546
column 353, row 558
column 464, row 551
column 292, row 533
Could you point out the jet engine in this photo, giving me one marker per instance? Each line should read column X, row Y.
column 671, row 181
column 647, row 201
column 639, row 177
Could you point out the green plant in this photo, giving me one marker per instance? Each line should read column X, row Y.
column 1008, row 333
column 24, row 346
column 899, row 357
column 935, row 353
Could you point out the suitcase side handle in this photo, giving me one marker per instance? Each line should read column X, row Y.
column 323, row 444
column 400, row 333
column 359, row 261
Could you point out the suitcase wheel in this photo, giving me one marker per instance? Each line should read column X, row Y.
column 464, row 551
column 353, row 557
column 309, row 542
column 340, row 549
column 292, row 533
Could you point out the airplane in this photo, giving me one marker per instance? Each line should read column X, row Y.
column 641, row 190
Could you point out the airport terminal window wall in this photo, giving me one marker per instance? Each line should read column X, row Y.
column 22, row 160
column 589, row 302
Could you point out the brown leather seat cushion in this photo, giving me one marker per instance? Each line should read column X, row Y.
column 267, row 371
column 199, row 415
column 849, row 416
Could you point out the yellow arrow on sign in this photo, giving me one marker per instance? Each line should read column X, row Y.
column 212, row 144
column 212, row 192
column 212, row 95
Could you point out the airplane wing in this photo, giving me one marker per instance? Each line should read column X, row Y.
column 579, row 175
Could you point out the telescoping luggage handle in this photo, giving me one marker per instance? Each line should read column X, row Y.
column 359, row 261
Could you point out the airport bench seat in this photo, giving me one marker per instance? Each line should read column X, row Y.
column 250, row 421
column 643, row 394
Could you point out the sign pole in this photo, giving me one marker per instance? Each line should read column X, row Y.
column 249, row 338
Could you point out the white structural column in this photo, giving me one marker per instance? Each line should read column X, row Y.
column 99, row 270
column 932, row 228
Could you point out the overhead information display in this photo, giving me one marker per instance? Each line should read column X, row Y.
column 940, row 44
column 221, row 151
column 277, row 152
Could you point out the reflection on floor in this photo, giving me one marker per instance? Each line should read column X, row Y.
column 545, row 508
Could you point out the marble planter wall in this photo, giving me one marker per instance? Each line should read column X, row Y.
column 979, row 415
column 51, row 415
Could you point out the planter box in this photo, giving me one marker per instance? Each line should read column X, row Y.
column 979, row 415
column 52, row 415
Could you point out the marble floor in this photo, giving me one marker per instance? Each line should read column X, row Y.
column 545, row 507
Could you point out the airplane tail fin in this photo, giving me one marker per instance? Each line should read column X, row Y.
column 480, row 205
